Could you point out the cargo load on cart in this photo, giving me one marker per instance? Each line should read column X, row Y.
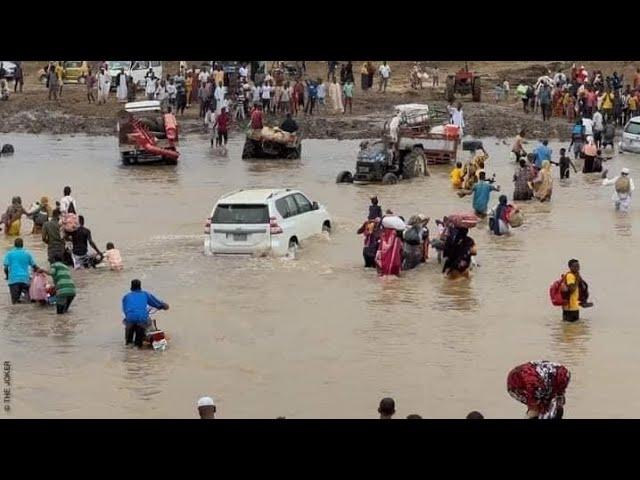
column 417, row 127
column 147, row 134
column 272, row 142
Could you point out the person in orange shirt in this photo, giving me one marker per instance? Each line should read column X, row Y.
column 633, row 105
column 607, row 105
column 457, row 175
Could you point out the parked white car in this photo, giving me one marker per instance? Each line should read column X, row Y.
column 631, row 136
column 262, row 222
column 137, row 70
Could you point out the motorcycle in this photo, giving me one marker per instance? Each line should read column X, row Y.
column 154, row 337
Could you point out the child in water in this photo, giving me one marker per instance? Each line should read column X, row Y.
column 456, row 176
column 113, row 258
column 564, row 163
column 375, row 210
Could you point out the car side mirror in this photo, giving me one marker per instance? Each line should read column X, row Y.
column 315, row 206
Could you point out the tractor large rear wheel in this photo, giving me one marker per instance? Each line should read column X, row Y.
column 449, row 92
column 476, row 89
column 409, row 166
column 412, row 166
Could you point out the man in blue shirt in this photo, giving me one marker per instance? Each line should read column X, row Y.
column 542, row 153
column 16, row 263
column 481, row 193
column 312, row 93
column 136, row 313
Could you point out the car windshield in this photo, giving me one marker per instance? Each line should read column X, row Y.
column 117, row 65
column 240, row 214
column 73, row 64
column 633, row 128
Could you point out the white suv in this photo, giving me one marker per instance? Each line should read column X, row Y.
column 263, row 221
column 631, row 136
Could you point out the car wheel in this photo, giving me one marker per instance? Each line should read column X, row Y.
column 344, row 177
column 326, row 227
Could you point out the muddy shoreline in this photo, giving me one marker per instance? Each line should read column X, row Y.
column 482, row 120
column 32, row 112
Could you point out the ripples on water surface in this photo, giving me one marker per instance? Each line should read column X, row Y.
column 318, row 336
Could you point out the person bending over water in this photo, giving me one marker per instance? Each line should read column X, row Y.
column 624, row 187
column 136, row 313
column 543, row 183
column 458, row 250
column 541, row 386
column 498, row 222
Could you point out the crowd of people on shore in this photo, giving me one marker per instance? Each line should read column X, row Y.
column 580, row 94
column 278, row 90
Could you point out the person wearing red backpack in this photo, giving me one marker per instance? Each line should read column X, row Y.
column 571, row 292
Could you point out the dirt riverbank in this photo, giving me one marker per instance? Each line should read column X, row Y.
column 32, row 112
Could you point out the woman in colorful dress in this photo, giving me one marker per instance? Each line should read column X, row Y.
column 541, row 386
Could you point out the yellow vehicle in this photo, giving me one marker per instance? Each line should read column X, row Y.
column 75, row 71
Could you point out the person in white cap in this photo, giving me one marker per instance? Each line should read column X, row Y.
column 207, row 408
column 624, row 188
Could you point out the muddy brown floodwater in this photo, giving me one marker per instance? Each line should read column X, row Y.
column 318, row 337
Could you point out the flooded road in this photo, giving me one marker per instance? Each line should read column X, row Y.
column 318, row 337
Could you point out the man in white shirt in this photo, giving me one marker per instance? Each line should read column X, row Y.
column 151, row 86
column 457, row 116
column 559, row 79
column 255, row 93
column 171, row 92
column 104, row 86
column 266, row 96
column 219, row 95
column 203, row 76
column 588, row 127
column 385, row 73
column 225, row 102
column 210, row 122
column 161, row 92
column 243, row 72
column 67, row 201
column 598, row 127
column 624, row 188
